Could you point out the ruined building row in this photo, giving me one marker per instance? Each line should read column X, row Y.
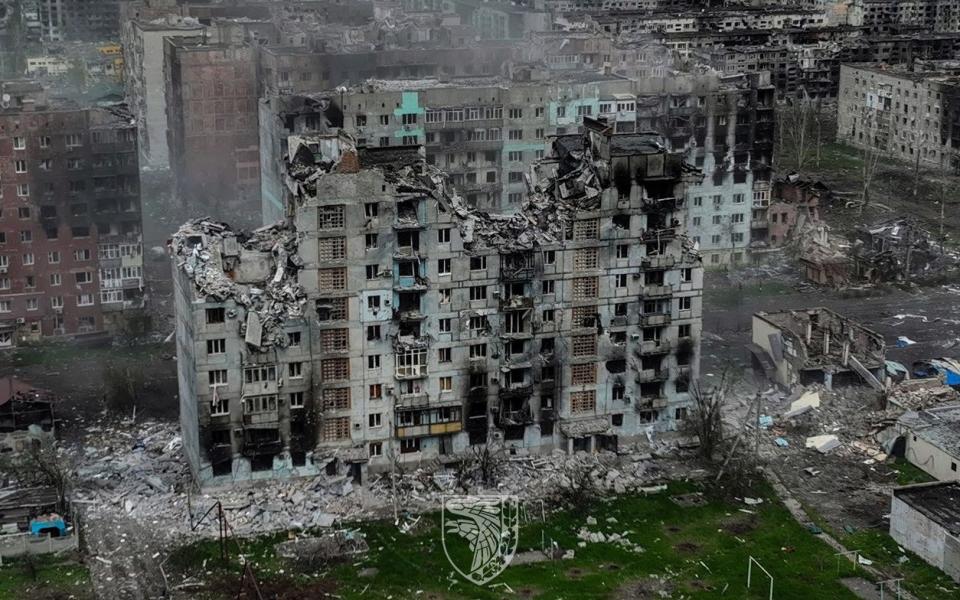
column 486, row 133
column 388, row 319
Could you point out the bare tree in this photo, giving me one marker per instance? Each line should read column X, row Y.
column 706, row 420
column 40, row 465
column 487, row 464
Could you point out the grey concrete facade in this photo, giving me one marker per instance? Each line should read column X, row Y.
column 427, row 329
column 144, row 81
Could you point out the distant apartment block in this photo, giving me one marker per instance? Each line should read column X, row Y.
column 71, row 260
column 911, row 114
column 396, row 322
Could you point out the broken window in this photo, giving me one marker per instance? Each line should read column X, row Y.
column 585, row 401
column 514, row 322
column 409, row 445
column 259, row 404
column 330, row 217
column 653, row 278
column 584, row 345
column 217, row 378
column 335, row 429
column 478, row 263
column 259, row 374
column 411, row 364
column 332, row 369
column 330, row 249
column 647, row 416
column 215, row 315
column 479, row 324
column 548, row 286
column 334, row 340
column 331, row 309
column 336, row 399
column 585, row 288
column 478, row 292
column 583, row 374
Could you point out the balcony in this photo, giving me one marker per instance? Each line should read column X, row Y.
column 515, row 390
column 410, row 372
column 407, row 220
column 413, row 399
column 653, row 291
column 477, row 364
column 759, row 224
column 654, row 347
column 516, row 303
column 665, row 261
column 270, row 418
column 409, row 315
column 653, row 235
column 654, row 319
column 406, row 252
column 663, row 204
column 515, row 417
column 429, row 430
column 515, row 273
column 647, row 375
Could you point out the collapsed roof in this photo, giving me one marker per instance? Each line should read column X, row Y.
column 257, row 271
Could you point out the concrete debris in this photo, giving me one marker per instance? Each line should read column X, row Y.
column 139, row 472
column 898, row 250
column 330, row 546
column 807, row 402
column 823, row 443
column 257, row 271
column 918, row 394
column 618, row 539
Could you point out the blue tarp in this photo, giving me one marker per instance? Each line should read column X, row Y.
column 948, row 368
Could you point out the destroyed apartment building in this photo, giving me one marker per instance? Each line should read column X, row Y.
column 817, row 346
column 896, row 250
column 389, row 320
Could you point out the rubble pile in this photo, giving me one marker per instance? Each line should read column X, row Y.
column 213, row 256
column 621, row 539
column 139, row 472
column 917, row 394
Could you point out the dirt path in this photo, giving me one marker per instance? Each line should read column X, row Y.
column 124, row 559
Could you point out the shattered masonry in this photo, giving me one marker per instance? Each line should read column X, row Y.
column 226, row 265
column 817, row 345
column 399, row 323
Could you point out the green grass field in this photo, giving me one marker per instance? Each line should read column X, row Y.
column 56, row 577
column 694, row 552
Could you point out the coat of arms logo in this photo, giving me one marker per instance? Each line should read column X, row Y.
column 488, row 526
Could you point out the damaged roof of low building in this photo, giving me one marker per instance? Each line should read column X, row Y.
column 12, row 387
column 938, row 501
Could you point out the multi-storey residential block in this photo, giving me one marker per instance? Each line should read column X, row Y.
column 144, row 80
column 911, row 114
column 485, row 134
column 78, row 19
column 70, row 246
column 393, row 321
column 211, row 100
column 892, row 16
